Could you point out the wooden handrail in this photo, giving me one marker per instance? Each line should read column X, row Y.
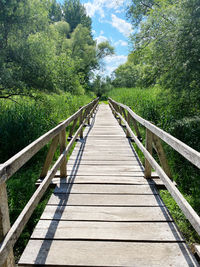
column 11, row 235
column 187, row 152
column 12, row 165
column 188, row 211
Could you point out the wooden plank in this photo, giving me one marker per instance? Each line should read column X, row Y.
column 96, row 145
column 123, row 231
column 103, row 131
column 105, row 168
column 99, row 179
column 106, row 153
column 106, row 173
column 102, row 162
column 107, row 142
column 106, row 137
column 96, row 253
column 119, row 214
column 105, row 200
column 105, row 189
column 104, row 157
column 103, row 148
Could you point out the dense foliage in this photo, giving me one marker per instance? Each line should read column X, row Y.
column 166, row 48
column 46, row 46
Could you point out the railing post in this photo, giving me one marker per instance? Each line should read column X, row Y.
column 49, row 157
column 149, row 145
column 63, row 167
column 136, row 129
column 120, row 112
column 81, row 121
column 128, row 121
column 5, row 222
column 72, row 129
column 161, row 155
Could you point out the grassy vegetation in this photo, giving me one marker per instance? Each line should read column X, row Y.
column 155, row 106
column 20, row 124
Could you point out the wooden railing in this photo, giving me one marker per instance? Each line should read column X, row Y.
column 153, row 136
column 9, row 235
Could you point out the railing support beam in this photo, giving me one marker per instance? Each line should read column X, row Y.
column 63, row 145
column 5, row 223
column 149, row 146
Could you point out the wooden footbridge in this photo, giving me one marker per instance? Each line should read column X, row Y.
column 105, row 209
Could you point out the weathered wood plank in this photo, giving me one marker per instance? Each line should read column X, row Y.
column 103, row 157
column 102, row 162
column 106, row 173
column 86, row 253
column 104, row 148
column 107, row 142
column 143, row 231
column 99, row 179
column 102, row 152
column 105, row 189
column 105, row 200
column 105, row 168
column 120, row 214
column 106, row 137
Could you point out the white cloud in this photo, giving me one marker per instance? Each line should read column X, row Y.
column 121, row 43
column 101, row 39
column 98, row 6
column 121, row 25
column 113, row 62
column 101, row 32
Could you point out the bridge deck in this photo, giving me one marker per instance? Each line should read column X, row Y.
column 106, row 213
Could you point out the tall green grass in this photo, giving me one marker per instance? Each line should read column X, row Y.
column 174, row 116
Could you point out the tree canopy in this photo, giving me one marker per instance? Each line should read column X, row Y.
column 46, row 46
column 166, row 46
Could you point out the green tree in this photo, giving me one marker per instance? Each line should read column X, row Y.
column 55, row 12
column 18, row 19
column 75, row 13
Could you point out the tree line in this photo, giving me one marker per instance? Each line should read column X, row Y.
column 165, row 48
column 47, row 46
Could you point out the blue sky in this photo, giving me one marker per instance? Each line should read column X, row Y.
column 109, row 23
